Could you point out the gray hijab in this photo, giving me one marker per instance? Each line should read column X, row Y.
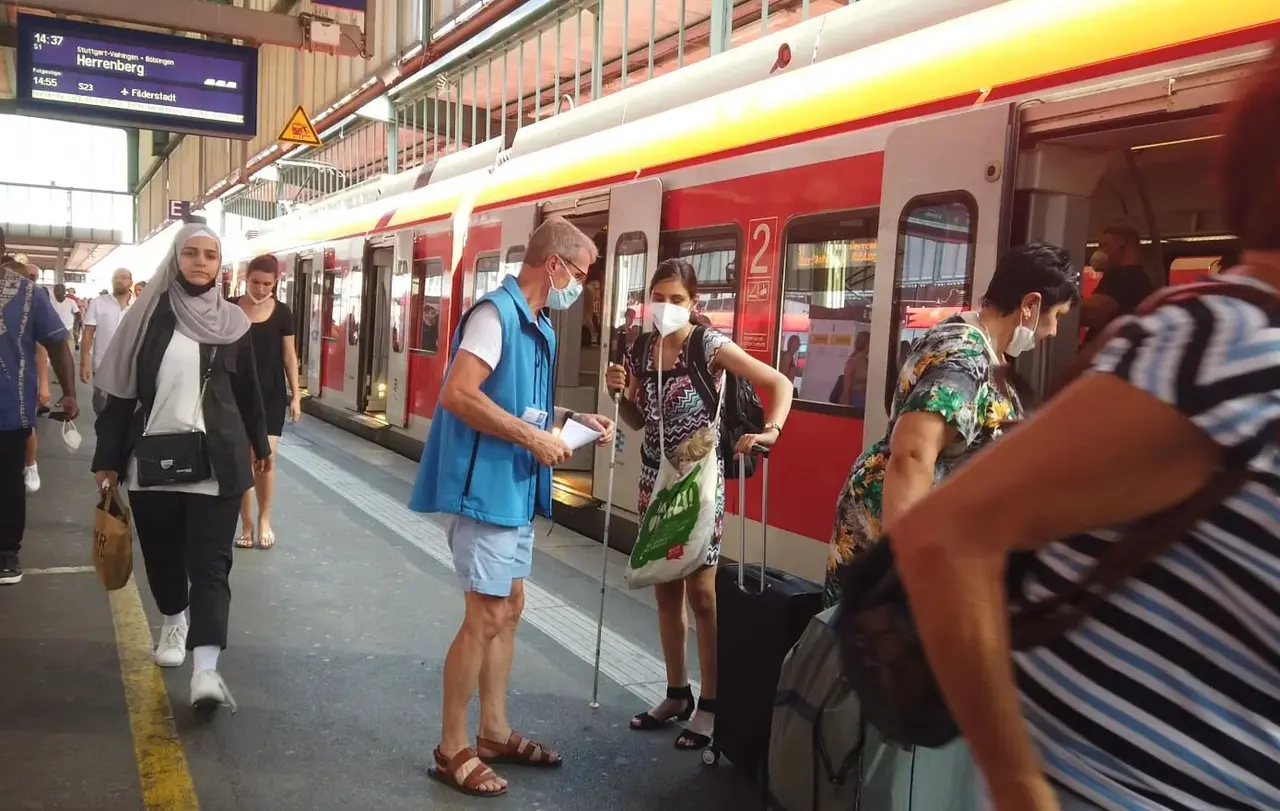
column 206, row 319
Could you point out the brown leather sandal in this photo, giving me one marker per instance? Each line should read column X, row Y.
column 446, row 771
column 519, row 751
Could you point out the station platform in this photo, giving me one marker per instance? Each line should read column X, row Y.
column 338, row 637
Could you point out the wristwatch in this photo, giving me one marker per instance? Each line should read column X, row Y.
column 775, row 427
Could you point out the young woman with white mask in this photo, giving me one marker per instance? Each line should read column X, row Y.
column 668, row 429
column 277, row 356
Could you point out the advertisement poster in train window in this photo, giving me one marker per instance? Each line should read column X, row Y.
column 760, row 288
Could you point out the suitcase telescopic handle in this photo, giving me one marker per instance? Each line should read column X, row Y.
column 742, row 517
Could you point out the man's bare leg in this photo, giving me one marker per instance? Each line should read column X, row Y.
column 483, row 622
column 495, row 672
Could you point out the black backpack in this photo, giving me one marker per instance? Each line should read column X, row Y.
column 743, row 412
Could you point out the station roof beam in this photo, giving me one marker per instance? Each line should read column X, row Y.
column 304, row 32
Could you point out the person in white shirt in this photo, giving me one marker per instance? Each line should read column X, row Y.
column 101, row 318
column 65, row 307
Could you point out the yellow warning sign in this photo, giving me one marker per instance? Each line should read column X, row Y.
column 299, row 130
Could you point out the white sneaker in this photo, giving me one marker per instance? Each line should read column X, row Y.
column 31, row 478
column 171, row 650
column 209, row 691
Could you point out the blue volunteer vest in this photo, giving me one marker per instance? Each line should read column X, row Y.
column 465, row 472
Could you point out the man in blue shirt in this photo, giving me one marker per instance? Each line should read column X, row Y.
column 488, row 463
column 27, row 317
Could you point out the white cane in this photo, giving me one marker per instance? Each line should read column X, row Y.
column 604, row 541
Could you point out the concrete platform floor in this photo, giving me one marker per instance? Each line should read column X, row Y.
column 338, row 637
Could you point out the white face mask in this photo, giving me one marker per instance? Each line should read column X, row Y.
column 257, row 300
column 667, row 318
column 1024, row 338
column 71, row 436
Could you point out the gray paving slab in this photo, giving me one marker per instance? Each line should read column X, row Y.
column 65, row 742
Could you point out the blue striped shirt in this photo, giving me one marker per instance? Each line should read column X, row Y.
column 1168, row 697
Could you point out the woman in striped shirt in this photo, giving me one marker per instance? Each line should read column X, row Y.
column 1168, row 696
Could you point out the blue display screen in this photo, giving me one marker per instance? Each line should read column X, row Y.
column 121, row 77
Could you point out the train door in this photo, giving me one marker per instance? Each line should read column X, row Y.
column 325, row 344
column 300, row 302
column 375, row 338
column 401, row 337
column 635, row 219
column 946, row 188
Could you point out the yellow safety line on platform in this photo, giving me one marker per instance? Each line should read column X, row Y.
column 162, row 766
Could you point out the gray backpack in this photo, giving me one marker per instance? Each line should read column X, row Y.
column 822, row 754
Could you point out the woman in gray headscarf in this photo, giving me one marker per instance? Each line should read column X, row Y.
column 182, row 396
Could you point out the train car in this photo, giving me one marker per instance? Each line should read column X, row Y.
column 869, row 192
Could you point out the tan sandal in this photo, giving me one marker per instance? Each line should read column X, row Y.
column 519, row 751
column 245, row 541
column 267, row 539
column 446, row 771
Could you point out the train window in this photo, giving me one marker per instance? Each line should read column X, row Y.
column 401, row 303
column 630, row 258
column 488, row 274
column 824, row 327
column 336, row 305
column 354, row 289
column 933, row 277
column 428, row 290
column 512, row 262
column 714, row 256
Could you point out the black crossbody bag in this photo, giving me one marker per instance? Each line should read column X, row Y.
column 176, row 457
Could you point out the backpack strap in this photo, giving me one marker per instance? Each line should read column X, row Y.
column 700, row 370
column 1148, row 538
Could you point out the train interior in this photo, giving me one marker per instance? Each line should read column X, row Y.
column 1154, row 176
column 580, row 335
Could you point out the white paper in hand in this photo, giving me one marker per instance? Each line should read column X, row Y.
column 576, row 435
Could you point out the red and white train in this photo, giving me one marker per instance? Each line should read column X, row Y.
column 869, row 189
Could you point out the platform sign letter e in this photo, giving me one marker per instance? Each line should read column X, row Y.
column 299, row 130
column 179, row 209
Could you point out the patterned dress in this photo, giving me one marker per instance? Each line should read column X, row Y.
column 948, row 372
column 684, row 416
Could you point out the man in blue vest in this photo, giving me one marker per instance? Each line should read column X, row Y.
column 487, row 462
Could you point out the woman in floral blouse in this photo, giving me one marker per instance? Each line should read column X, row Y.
column 951, row 398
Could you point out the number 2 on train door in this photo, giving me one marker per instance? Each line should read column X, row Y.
column 755, row 333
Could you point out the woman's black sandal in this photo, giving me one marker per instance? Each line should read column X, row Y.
column 696, row 740
column 644, row 721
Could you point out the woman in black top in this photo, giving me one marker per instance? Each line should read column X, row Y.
column 277, row 360
column 182, row 422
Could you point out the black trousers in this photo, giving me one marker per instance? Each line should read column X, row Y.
column 186, row 545
column 13, row 491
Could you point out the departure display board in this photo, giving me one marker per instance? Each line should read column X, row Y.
column 102, row 74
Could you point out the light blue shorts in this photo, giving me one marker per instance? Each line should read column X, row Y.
column 488, row 557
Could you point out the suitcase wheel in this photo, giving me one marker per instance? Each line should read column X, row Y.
column 710, row 756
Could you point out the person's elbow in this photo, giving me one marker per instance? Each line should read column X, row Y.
column 777, row 384
column 456, row 397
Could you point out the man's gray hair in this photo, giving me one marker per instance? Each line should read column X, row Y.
column 558, row 236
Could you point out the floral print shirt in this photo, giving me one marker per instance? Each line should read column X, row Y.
column 949, row 372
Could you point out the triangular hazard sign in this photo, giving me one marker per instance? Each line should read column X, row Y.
column 299, row 130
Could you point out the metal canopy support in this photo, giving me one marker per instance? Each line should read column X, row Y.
column 721, row 25
column 214, row 20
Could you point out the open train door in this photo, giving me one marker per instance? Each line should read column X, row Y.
column 402, row 329
column 635, row 218
column 947, row 189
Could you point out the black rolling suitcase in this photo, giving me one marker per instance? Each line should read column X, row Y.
column 762, row 612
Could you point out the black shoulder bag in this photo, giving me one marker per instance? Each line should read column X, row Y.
column 176, row 457
column 882, row 654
